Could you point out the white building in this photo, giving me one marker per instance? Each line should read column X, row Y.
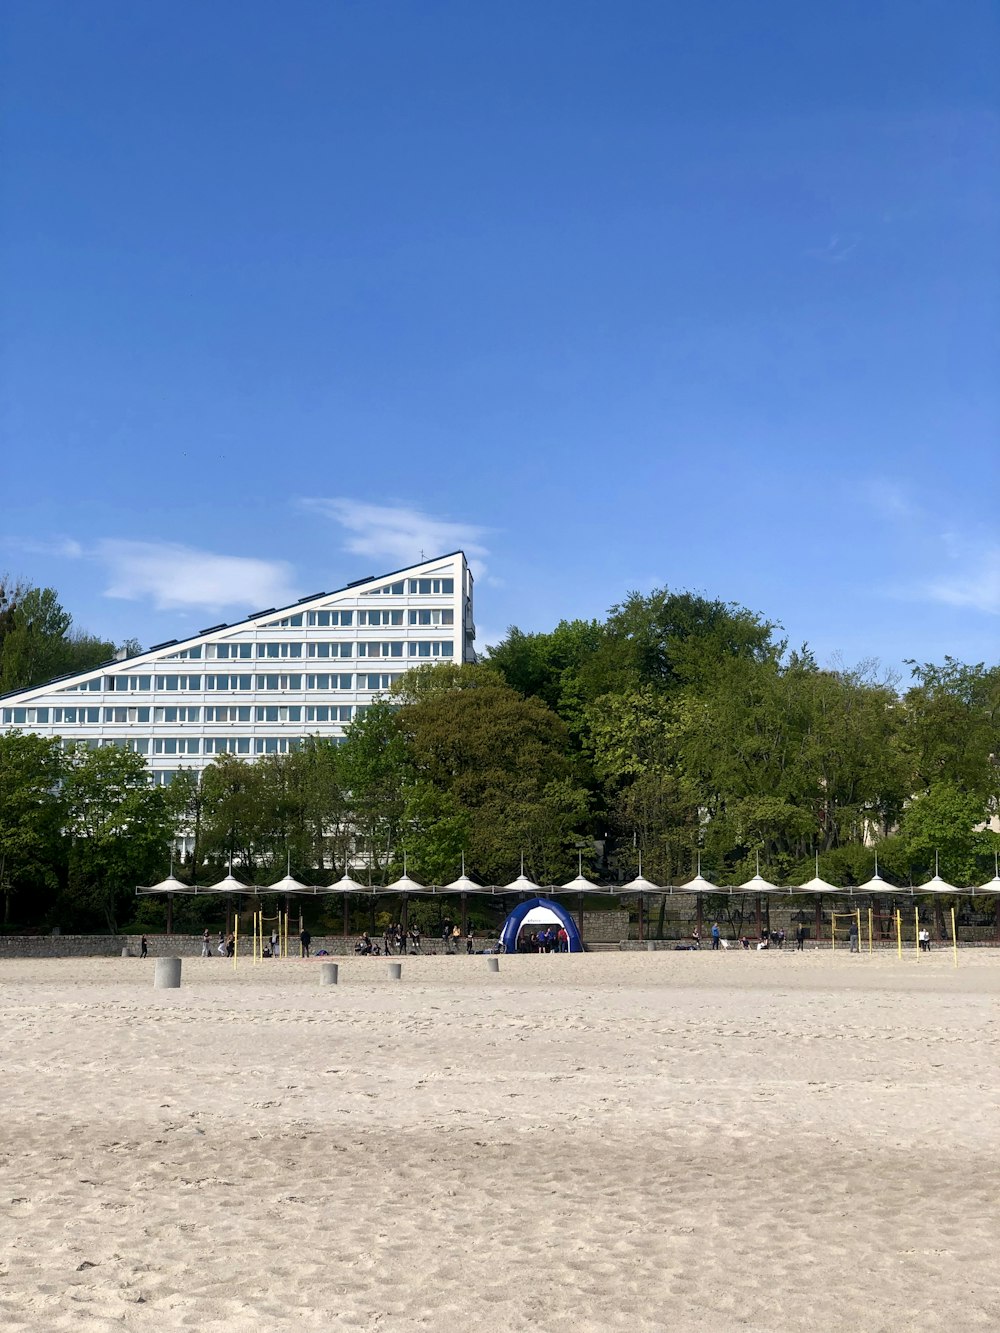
column 263, row 684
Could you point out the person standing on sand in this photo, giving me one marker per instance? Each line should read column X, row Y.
column 275, row 951
column 143, row 948
column 800, row 938
column 716, row 934
column 305, row 939
column 206, row 946
column 852, row 936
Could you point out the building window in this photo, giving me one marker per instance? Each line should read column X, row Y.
column 227, row 745
column 234, row 713
column 279, row 713
column 228, row 682
column 430, row 648
column 176, row 745
column 393, row 589
column 442, row 617
column 129, row 682
column 222, row 651
column 171, row 683
column 279, row 682
column 383, row 649
column 287, row 622
column 279, row 650
column 441, row 587
column 379, row 680
column 324, row 618
column 380, row 617
column 132, row 714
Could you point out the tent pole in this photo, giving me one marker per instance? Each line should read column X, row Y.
column 579, row 913
column 640, row 918
column 465, row 915
column 404, row 914
column 170, row 913
column 759, row 923
column 347, row 919
column 819, row 917
column 699, row 913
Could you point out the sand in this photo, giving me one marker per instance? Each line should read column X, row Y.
column 601, row 1142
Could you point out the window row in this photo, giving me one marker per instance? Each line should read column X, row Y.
column 419, row 587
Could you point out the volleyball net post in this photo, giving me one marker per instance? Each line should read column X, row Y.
column 899, row 933
column 853, row 920
column 954, row 938
column 871, row 924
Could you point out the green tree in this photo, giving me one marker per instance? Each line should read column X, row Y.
column 31, row 813
column 375, row 768
column 504, row 760
column 118, row 825
column 37, row 643
column 951, row 729
column 947, row 824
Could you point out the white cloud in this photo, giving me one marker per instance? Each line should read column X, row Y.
column 171, row 575
column 67, row 547
column 400, row 534
column 973, row 579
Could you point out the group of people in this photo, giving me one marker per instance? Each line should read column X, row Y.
column 225, row 948
column 394, row 940
column 397, row 940
column 769, row 939
column 546, row 940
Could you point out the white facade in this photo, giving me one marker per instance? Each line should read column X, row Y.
column 262, row 685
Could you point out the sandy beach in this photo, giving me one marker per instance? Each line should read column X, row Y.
column 613, row 1141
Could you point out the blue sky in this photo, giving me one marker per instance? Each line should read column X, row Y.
column 615, row 295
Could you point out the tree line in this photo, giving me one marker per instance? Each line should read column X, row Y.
column 39, row 641
column 677, row 728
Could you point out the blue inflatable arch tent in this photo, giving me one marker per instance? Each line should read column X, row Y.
column 540, row 912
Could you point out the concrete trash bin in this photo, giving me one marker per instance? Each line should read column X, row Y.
column 167, row 974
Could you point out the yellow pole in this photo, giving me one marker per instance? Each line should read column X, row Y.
column 954, row 937
column 916, row 928
column 871, row 923
column 899, row 933
column 858, row 915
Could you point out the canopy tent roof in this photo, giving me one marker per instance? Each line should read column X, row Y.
column 169, row 885
column 464, row 885
column 405, row 885
column 228, row 885
column 578, row 884
column 817, row 885
column 699, row 884
column 758, row 884
column 640, row 884
column 991, row 886
column 875, row 885
column 289, row 884
column 347, row 885
column 937, row 885
column 522, row 885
